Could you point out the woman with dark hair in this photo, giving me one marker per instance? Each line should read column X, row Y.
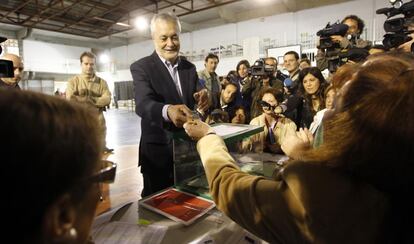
column 312, row 86
column 241, row 79
column 239, row 115
column 352, row 189
column 276, row 126
column 54, row 149
column 242, row 69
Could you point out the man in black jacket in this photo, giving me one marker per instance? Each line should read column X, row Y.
column 166, row 92
column 352, row 39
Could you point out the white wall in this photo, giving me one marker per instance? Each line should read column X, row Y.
column 53, row 58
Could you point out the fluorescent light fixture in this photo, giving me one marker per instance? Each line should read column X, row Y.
column 102, row 19
column 141, row 23
column 123, row 24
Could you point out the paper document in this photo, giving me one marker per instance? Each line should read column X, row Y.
column 231, row 233
column 224, row 130
column 125, row 233
column 106, row 217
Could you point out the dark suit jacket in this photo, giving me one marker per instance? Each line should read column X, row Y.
column 155, row 88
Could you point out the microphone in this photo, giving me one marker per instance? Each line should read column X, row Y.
column 288, row 82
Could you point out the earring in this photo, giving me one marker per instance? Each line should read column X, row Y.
column 73, row 233
column 69, row 236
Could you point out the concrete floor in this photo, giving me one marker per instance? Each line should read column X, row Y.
column 123, row 134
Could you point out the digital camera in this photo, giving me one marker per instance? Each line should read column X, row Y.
column 353, row 54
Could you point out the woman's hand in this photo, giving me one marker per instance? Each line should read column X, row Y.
column 196, row 129
column 295, row 143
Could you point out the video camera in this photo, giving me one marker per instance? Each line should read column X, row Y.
column 397, row 28
column 353, row 54
column 331, row 30
column 259, row 68
column 6, row 66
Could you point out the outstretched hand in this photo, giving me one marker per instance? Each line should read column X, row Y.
column 179, row 114
column 202, row 99
column 196, row 129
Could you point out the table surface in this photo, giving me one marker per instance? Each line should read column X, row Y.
column 214, row 222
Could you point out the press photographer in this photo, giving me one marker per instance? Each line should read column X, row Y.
column 272, row 62
column 399, row 30
column 337, row 37
column 6, row 66
column 262, row 77
column 11, row 69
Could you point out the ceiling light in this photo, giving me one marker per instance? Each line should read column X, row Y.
column 141, row 23
column 123, row 24
column 103, row 19
column 104, row 58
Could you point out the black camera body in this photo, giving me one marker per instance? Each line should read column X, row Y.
column 353, row 54
column 6, row 66
column 331, row 30
column 333, row 52
column 396, row 29
column 260, row 69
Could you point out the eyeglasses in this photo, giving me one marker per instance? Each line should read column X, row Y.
column 106, row 174
column 266, row 105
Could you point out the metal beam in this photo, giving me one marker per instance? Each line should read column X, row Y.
column 227, row 15
column 187, row 27
column 80, row 43
column 209, row 7
column 57, row 20
column 95, row 33
column 178, row 5
column 157, row 9
column 14, row 10
column 50, row 5
column 101, row 14
column 8, row 34
column 102, row 5
column 58, row 12
column 291, row 5
column 24, row 33
column 84, row 17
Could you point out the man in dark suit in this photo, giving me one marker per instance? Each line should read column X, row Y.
column 166, row 90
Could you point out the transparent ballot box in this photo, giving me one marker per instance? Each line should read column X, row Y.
column 189, row 173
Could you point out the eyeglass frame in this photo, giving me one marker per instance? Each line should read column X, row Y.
column 105, row 175
column 265, row 104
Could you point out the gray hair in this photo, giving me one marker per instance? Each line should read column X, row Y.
column 165, row 17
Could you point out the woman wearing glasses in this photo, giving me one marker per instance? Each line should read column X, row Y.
column 53, row 149
column 276, row 126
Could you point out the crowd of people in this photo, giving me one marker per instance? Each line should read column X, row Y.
column 349, row 189
column 349, row 137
